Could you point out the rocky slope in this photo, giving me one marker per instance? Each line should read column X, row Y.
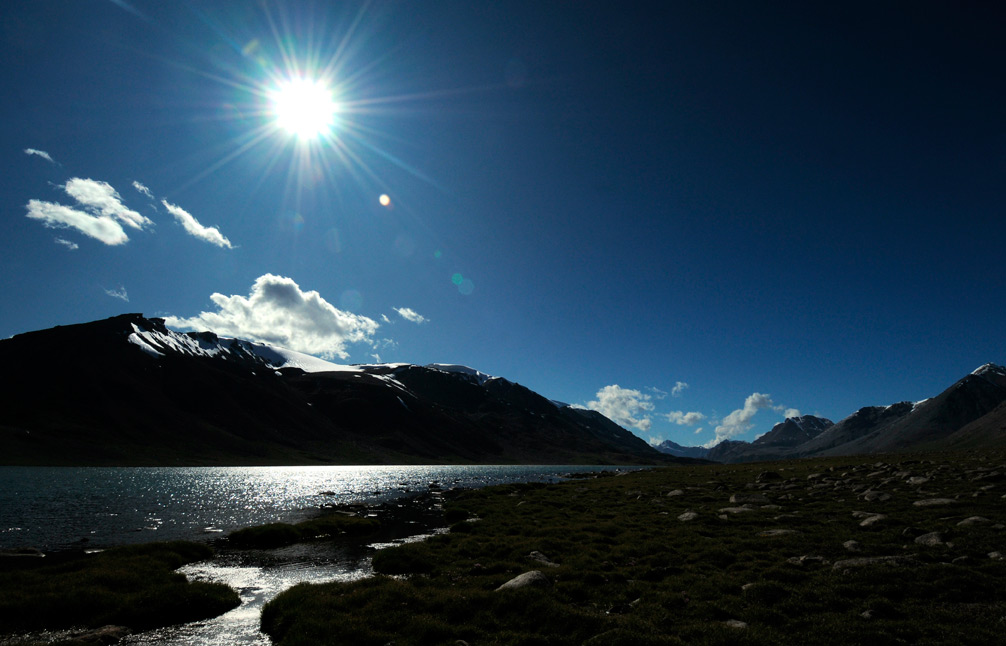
column 127, row 390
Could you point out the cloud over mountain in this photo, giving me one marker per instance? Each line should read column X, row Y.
column 739, row 421
column 624, row 406
column 279, row 312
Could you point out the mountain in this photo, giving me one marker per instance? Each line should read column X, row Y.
column 971, row 414
column 673, row 448
column 130, row 391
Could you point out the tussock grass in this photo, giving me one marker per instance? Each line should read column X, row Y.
column 630, row 572
column 275, row 535
column 133, row 586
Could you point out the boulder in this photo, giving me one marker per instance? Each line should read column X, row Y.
column 534, row 578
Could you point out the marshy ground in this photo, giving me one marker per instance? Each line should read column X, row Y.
column 892, row 550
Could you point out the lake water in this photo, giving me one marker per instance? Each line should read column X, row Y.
column 54, row 508
column 70, row 508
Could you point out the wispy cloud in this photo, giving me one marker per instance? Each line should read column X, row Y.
column 40, row 153
column 99, row 227
column 685, row 419
column 192, row 226
column 624, row 406
column 142, row 189
column 119, row 293
column 657, row 393
column 278, row 312
column 699, row 430
column 103, row 200
column 679, row 387
column 66, row 243
column 410, row 314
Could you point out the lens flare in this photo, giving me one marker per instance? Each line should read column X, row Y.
column 384, row 200
column 304, row 107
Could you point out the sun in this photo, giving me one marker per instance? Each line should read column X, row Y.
column 306, row 108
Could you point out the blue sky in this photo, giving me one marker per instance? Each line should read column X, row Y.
column 695, row 217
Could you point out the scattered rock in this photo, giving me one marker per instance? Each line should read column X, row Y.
column 778, row 532
column 872, row 520
column 996, row 556
column 534, row 578
column 756, row 498
column 934, row 502
column 768, row 476
column 807, row 560
column 974, row 520
column 736, row 510
column 917, row 480
column 735, row 623
column 687, row 516
column 98, row 636
column 676, row 492
column 876, row 496
column 903, row 559
column 931, row 539
column 541, row 558
column 852, row 546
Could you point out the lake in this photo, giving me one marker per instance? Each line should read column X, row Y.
column 54, row 508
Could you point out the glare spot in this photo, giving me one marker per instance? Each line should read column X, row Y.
column 466, row 287
column 384, row 200
column 457, row 278
column 304, row 107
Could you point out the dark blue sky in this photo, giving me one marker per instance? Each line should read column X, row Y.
column 782, row 205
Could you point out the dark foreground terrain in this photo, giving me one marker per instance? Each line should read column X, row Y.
column 890, row 550
column 905, row 550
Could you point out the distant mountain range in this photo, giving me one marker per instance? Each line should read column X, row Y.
column 970, row 414
column 129, row 391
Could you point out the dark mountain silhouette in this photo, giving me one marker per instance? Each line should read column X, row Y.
column 971, row 414
column 128, row 390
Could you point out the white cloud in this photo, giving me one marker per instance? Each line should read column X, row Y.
column 654, row 441
column 118, row 293
column 623, row 406
column 685, row 419
column 103, row 200
column 66, row 243
column 657, row 393
column 278, row 312
column 410, row 314
column 192, row 226
column 143, row 189
column 699, row 430
column 791, row 412
column 40, row 153
column 384, row 317
column 100, row 227
column 739, row 421
column 679, row 387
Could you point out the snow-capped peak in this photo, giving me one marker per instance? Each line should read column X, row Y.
column 478, row 376
column 990, row 368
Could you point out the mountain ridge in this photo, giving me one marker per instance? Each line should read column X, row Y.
column 129, row 391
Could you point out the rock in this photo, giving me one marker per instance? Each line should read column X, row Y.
column 98, row 636
column 768, row 476
column 872, row 520
column 852, row 546
column 917, row 480
column 974, row 520
column 898, row 560
column 736, row 510
column 534, row 578
column 996, row 556
column 778, row 532
column 741, row 498
column 735, row 623
column 807, row 560
column 687, row 516
column 931, row 539
column 541, row 558
column 934, row 502
column 676, row 492
column 878, row 496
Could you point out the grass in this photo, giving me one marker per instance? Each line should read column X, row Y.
column 630, row 572
column 134, row 586
column 281, row 534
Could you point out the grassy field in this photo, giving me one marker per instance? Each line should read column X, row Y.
column 888, row 550
column 134, row 586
